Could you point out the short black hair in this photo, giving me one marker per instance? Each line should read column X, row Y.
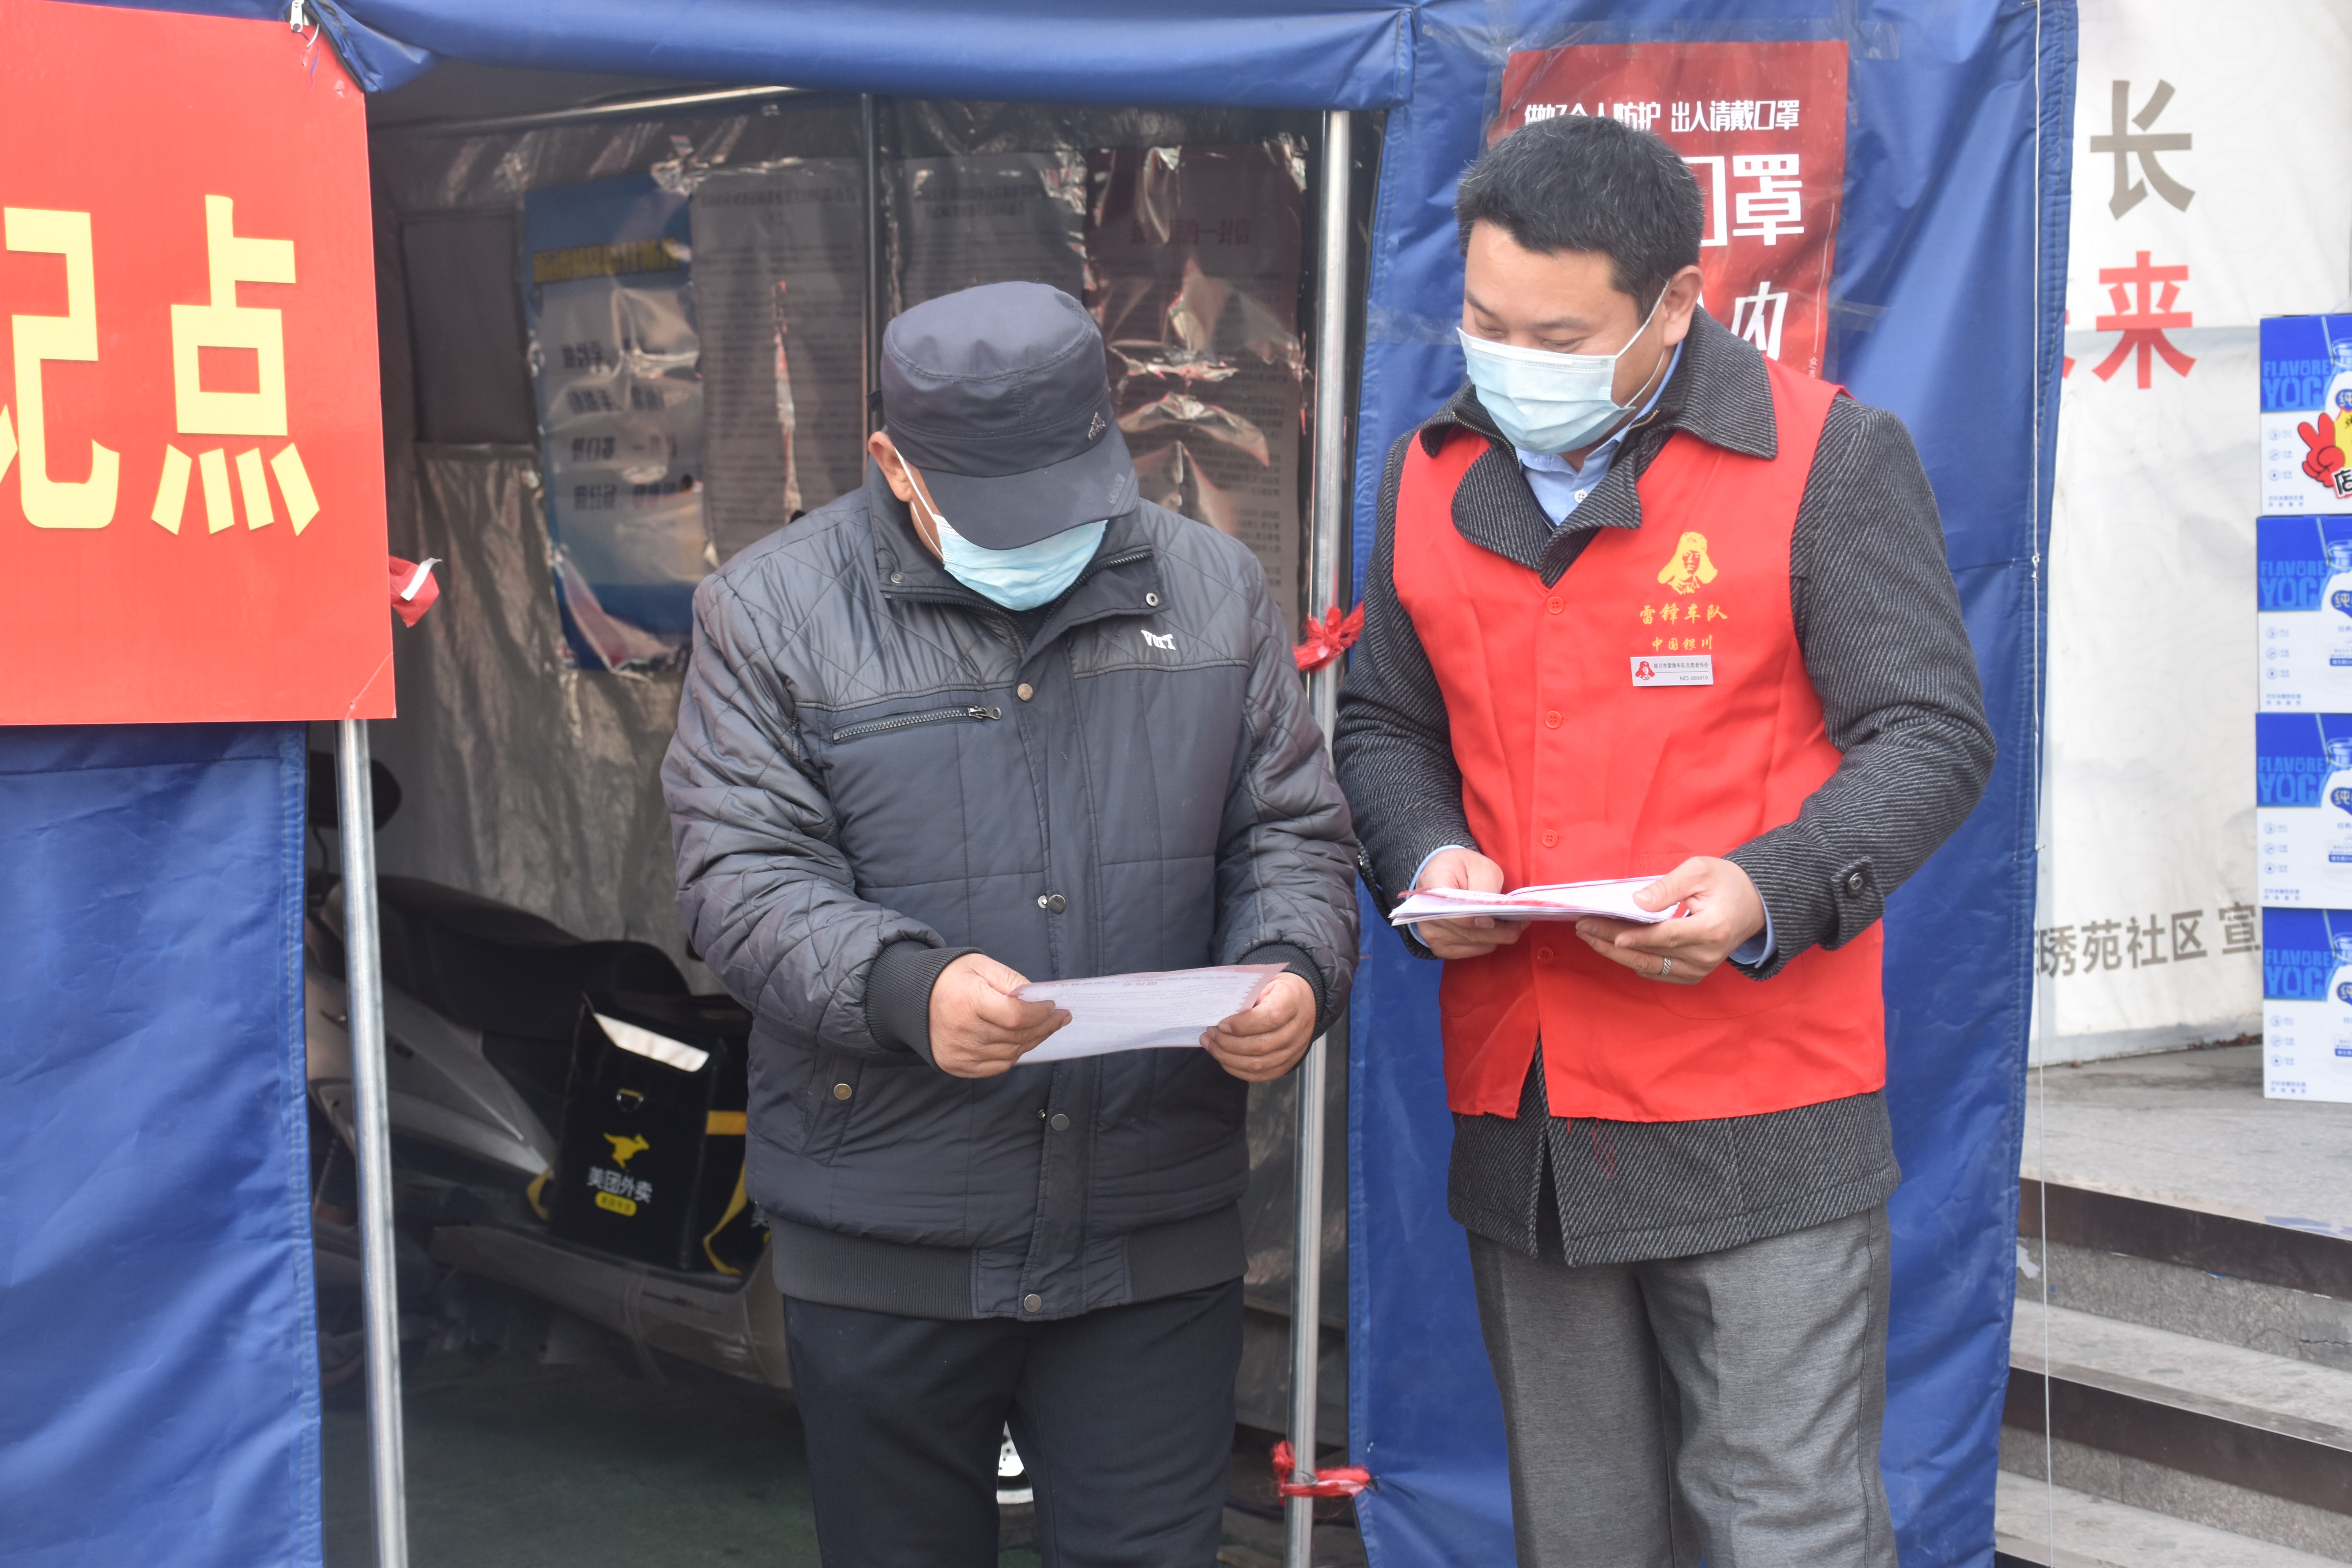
column 1579, row 181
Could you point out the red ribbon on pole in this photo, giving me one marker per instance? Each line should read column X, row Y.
column 413, row 589
column 1328, row 639
column 1342, row 1480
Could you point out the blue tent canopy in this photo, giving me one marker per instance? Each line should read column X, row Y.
column 1945, row 308
column 1300, row 53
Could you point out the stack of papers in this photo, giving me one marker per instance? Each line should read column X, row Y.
column 1139, row 1012
column 1551, row 901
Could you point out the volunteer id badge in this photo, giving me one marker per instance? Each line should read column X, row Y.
column 1697, row 670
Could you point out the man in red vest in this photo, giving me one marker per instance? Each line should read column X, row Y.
column 1642, row 603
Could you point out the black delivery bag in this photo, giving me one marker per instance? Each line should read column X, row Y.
column 650, row 1165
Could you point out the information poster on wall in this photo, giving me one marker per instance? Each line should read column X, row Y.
column 779, row 257
column 614, row 358
column 1763, row 127
column 1003, row 217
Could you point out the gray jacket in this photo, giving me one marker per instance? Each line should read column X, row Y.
column 876, row 770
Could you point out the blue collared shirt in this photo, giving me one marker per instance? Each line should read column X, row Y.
column 1560, row 486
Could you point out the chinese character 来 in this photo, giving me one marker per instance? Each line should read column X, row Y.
column 2143, row 320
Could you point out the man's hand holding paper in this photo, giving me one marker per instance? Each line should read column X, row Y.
column 980, row 1024
column 1265, row 1039
column 1725, row 910
column 1480, row 934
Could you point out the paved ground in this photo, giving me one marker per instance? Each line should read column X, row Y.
column 516, row 1464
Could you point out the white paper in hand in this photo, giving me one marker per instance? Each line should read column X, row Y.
column 1550, row 901
column 1140, row 1012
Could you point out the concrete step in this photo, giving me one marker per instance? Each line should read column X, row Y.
column 2184, row 1316
column 2233, row 1438
column 2295, row 1323
column 2306, row 1405
column 2092, row 1531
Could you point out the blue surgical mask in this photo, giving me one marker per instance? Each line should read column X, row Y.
column 1546, row 401
column 1025, row 576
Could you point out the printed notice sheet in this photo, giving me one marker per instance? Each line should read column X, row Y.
column 1138, row 1012
column 1551, row 901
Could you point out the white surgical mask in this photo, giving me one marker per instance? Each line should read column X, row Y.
column 1025, row 576
column 1546, row 402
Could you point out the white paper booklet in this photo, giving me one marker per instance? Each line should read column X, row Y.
column 1139, row 1012
column 1551, row 901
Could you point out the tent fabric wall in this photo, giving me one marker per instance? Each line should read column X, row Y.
column 1945, row 308
column 160, row 1400
column 153, row 1231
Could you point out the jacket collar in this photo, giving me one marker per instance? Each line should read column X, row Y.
column 1719, row 394
column 1123, row 578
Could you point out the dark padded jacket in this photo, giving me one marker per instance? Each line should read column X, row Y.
column 876, row 768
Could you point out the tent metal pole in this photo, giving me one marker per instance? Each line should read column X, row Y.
column 1324, row 591
column 379, row 1277
column 869, row 147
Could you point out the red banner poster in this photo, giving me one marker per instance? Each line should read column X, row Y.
column 1763, row 127
column 192, row 520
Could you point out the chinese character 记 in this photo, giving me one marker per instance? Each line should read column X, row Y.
column 1775, row 206
column 2145, row 943
column 2102, row 945
column 51, row 502
column 2126, row 145
column 2143, row 317
column 2186, row 941
column 2239, row 933
column 1757, row 317
column 2054, row 951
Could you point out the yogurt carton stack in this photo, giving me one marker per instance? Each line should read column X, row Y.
column 2303, row 733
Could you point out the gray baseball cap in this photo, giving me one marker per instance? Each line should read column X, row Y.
column 999, row 395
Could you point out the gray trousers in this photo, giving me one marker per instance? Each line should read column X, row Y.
column 1724, row 1406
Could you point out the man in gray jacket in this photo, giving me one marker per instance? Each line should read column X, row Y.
column 990, row 720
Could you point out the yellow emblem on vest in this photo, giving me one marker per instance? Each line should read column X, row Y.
column 622, row 1148
column 1688, row 567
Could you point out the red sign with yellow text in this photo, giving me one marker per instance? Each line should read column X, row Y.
column 1763, row 127
column 192, row 521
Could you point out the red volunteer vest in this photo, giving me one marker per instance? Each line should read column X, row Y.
column 1571, row 771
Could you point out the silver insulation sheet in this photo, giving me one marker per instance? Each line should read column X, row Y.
column 522, row 779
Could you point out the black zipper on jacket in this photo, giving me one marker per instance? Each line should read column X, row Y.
column 906, row 720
